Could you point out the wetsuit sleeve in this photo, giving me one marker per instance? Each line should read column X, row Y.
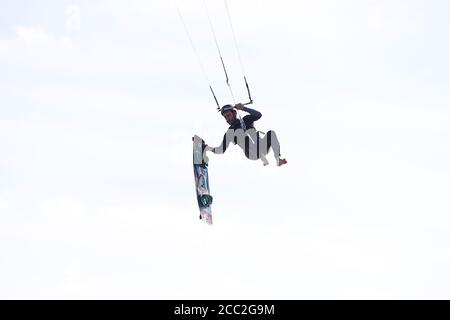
column 253, row 114
column 225, row 143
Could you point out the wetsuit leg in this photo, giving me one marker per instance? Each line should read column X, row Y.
column 271, row 141
column 251, row 146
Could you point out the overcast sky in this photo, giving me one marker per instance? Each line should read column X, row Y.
column 98, row 104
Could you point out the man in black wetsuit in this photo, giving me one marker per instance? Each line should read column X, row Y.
column 243, row 133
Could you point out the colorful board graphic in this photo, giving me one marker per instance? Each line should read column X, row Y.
column 200, row 163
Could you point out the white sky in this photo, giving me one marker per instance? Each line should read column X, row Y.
column 98, row 104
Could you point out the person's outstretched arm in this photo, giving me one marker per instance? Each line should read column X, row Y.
column 236, row 136
column 223, row 146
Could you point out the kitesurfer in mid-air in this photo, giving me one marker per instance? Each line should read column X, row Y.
column 243, row 133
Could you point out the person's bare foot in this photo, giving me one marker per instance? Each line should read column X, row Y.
column 281, row 162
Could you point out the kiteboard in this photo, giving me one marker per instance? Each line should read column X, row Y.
column 200, row 163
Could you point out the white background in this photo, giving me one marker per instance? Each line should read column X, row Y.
column 98, row 104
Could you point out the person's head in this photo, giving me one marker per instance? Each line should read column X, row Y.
column 228, row 113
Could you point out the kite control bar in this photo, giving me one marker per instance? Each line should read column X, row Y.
column 248, row 92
